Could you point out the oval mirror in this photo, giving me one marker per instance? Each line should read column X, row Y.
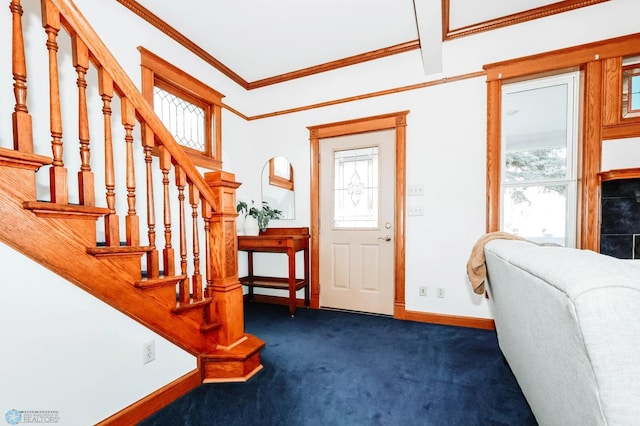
column 278, row 187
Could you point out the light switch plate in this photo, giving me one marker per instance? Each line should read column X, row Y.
column 416, row 189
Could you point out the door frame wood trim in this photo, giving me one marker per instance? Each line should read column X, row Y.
column 397, row 121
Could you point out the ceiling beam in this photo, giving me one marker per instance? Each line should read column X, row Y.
column 429, row 23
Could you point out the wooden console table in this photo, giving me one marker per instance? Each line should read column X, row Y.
column 278, row 240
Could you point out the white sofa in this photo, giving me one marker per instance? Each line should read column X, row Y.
column 568, row 324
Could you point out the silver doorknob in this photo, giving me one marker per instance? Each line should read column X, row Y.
column 385, row 238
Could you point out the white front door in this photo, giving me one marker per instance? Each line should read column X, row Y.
column 357, row 181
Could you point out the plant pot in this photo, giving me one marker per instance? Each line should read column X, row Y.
column 250, row 226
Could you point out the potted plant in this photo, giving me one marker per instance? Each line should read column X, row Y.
column 261, row 216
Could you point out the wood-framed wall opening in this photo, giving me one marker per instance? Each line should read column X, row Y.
column 601, row 65
column 397, row 121
column 156, row 72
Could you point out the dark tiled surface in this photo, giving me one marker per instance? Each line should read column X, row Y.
column 620, row 246
column 620, row 218
column 621, row 188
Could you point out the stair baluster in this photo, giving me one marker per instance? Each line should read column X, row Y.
column 22, row 127
column 152, row 256
column 168, row 252
column 181, row 182
column 111, row 221
column 196, row 278
column 57, row 173
column 132, row 221
column 86, row 189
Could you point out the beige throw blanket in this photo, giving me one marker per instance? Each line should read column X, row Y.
column 476, row 266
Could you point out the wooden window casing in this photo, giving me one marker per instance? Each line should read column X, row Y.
column 156, row 72
column 601, row 64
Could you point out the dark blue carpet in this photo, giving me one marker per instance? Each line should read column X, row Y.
column 338, row 368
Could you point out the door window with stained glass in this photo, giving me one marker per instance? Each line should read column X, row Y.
column 356, row 188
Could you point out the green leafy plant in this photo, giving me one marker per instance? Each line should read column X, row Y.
column 263, row 214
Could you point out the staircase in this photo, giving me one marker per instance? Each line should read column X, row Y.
column 178, row 277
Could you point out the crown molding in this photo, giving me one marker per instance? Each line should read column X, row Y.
column 180, row 38
column 449, row 33
column 340, row 63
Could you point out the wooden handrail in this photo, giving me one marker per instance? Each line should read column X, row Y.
column 76, row 23
column 204, row 319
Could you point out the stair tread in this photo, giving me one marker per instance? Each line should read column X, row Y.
column 205, row 328
column 23, row 159
column 181, row 307
column 160, row 281
column 104, row 250
column 45, row 207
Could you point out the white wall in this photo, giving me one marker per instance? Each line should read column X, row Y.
column 66, row 351
column 620, row 154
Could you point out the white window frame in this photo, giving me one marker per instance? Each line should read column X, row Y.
column 572, row 80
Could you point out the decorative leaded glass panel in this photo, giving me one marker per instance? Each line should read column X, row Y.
column 356, row 188
column 184, row 120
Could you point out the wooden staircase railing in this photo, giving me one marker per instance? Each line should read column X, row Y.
column 187, row 291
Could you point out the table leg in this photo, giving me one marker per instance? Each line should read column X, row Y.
column 292, row 281
column 250, row 273
column 306, row 276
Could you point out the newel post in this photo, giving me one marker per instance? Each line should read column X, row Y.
column 225, row 288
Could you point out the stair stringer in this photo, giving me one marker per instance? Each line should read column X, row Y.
column 60, row 245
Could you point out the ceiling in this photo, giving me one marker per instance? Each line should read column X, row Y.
column 260, row 39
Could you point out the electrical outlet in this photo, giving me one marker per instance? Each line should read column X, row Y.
column 440, row 292
column 148, row 352
column 423, row 291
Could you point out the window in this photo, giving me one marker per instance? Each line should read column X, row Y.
column 538, row 159
column 356, row 188
column 189, row 109
column 631, row 87
column 185, row 120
